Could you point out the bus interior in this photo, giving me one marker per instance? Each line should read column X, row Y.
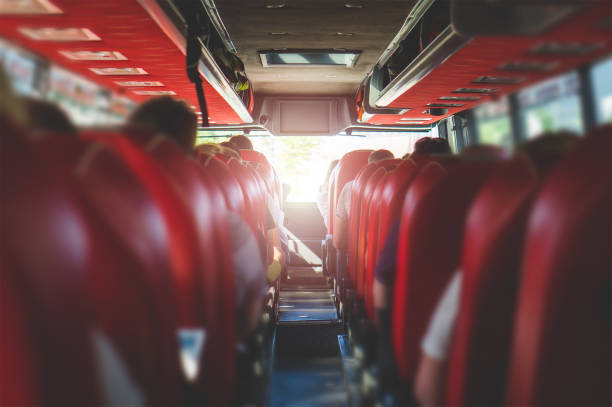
column 321, row 203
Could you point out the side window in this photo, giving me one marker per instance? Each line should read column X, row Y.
column 493, row 123
column 601, row 79
column 552, row 105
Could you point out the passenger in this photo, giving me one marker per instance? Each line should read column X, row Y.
column 323, row 195
column 430, row 145
column 544, row 152
column 385, row 267
column 46, row 117
column 229, row 144
column 229, row 152
column 177, row 121
column 242, row 142
column 343, row 207
column 172, row 117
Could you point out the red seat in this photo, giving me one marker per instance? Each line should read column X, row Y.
column 47, row 250
column 214, row 284
column 234, row 198
column 131, row 291
column 492, row 246
column 346, row 170
column 264, row 169
column 389, row 196
column 429, row 247
column 366, row 198
column 561, row 343
column 355, row 216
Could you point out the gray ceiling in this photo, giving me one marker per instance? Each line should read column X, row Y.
column 311, row 24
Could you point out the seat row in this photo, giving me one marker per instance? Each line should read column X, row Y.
column 532, row 245
column 116, row 267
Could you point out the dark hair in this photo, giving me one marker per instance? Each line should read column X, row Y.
column 548, row 148
column 242, row 142
column 429, row 145
column 170, row 116
column 380, row 155
column 230, row 145
column 48, row 117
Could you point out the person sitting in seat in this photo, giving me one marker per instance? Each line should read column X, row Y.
column 343, row 207
column 172, row 117
column 46, row 117
column 177, row 121
column 231, row 146
column 430, row 145
column 323, row 195
column 242, row 142
column 544, row 152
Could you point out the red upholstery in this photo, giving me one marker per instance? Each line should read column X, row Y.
column 263, row 168
column 429, row 247
column 19, row 380
column 46, row 252
column 364, row 220
column 492, row 247
column 355, row 216
column 131, row 291
column 234, row 198
column 346, row 171
column 252, row 194
column 561, row 344
column 213, row 286
column 391, row 195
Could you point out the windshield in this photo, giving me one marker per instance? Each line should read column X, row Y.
column 302, row 161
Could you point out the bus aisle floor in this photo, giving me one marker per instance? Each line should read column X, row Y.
column 307, row 368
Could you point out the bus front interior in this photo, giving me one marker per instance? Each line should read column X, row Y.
column 290, row 203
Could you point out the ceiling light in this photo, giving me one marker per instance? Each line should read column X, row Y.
column 279, row 33
column 445, row 105
column 498, row 80
column 476, row 90
column 351, row 5
column 59, row 34
column 119, row 71
column 279, row 5
column 460, row 98
column 14, row 7
column 153, row 92
column 94, row 55
column 138, row 83
column 341, row 34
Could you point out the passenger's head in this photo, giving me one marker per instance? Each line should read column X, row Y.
column 169, row 116
column 229, row 152
column 208, row 148
column 380, row 155
column 46, row 117
column 242, row 142
column 429, row 145
column 547, row 149
column 229, row 144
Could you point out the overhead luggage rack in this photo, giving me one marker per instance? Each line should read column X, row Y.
column 479, row 64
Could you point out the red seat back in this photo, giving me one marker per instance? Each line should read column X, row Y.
column 346, row 170
column 390, row 196
column 429, row 247
column 561, row 344
column 234, row 198
column 131, row 291
column 366, row 199
column 492, row 247
column 355, row 216
column 46, row 252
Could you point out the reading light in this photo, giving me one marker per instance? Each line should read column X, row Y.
column 94, row 55
column 59, row 34
column 139, row 83
column 30, row 7
column 154, row 92
column 118, row 71
column 351, row 5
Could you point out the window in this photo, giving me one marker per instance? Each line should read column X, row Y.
column 302, row 161
column 601, row 75
column 309, row 57
column 493, row 123
column 552, row 105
